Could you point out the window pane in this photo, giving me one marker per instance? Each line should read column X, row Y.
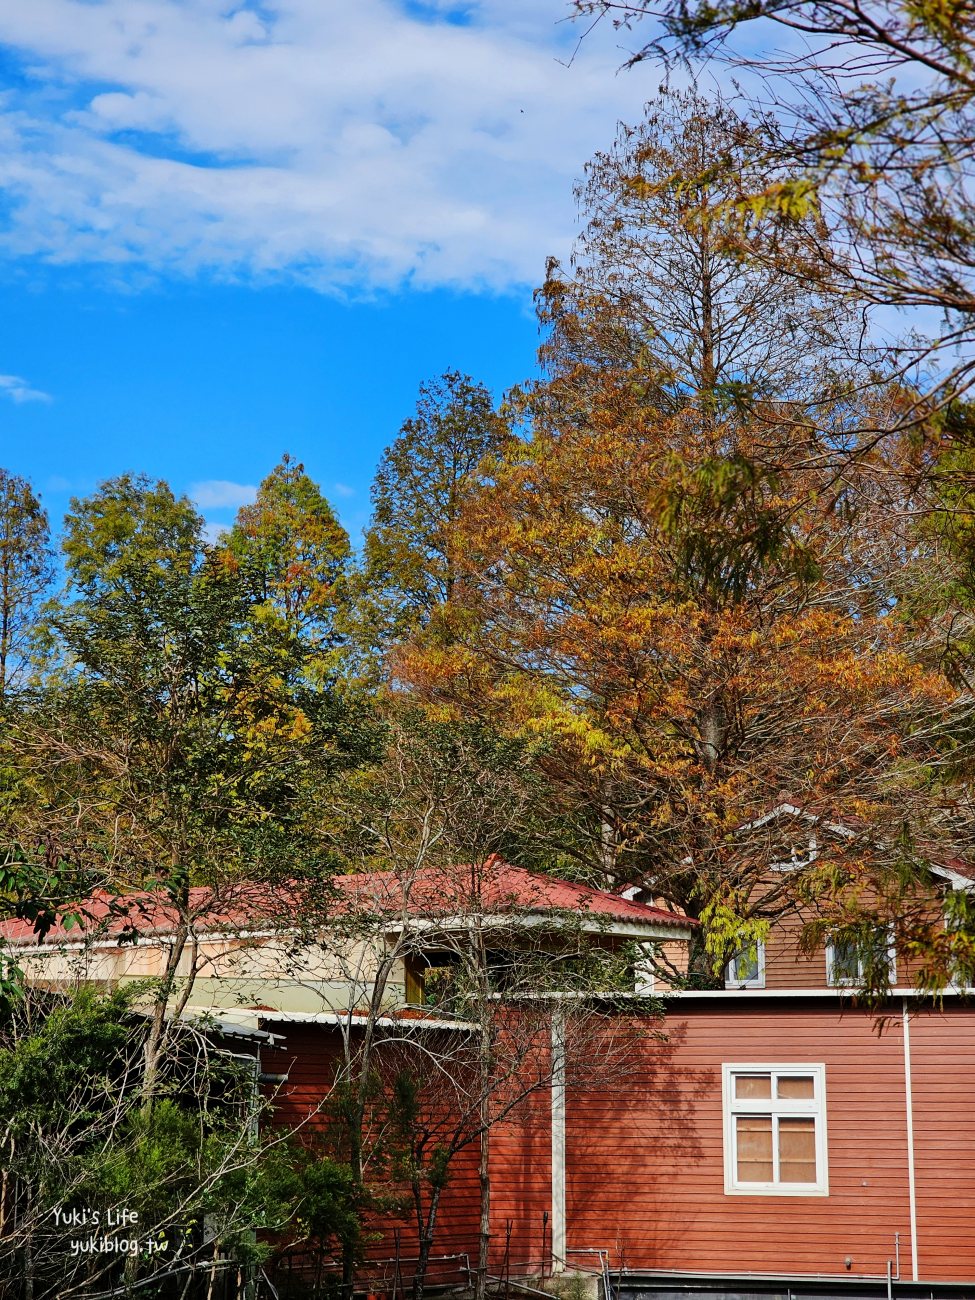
column 797, row 1150
column 846, row 963
column 795, row 1086
column 744, row 966
column 753, row 1085
column 754, row 1138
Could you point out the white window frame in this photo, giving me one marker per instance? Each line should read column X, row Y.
column 757, row 981
column 795, row 860
column 644, row 970
column 954, row 984
column 835, row 981
column 794, row 1107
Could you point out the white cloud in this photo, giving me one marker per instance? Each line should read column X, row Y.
column 220, row 494
column 343, row 490
column 213, row 532
column 19, row 390
column 346, row 145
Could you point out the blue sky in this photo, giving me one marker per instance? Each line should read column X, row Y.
column 207, row 384
column 233, row 229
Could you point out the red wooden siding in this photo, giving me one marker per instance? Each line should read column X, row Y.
column 521, row 1183
column 786, row 967
column 308, row 1055
column 943, row 1069
column 645, row 1157
column 645, row 1168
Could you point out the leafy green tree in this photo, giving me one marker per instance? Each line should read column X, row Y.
column 26, row 571
column 447, row 793
column 76, row 1135
column 667, row 284
column 875, row 107
column 935, row 587
column 291, row 553
column 669, row 581
column 172, row 745
column 421, row 486
column 330, row 1218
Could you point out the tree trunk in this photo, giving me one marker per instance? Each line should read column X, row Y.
column 213, row 1272
column 712, row 730
column 484, row 1235
column 357, row 1072
column 708, row 378
column 608, row 843
column 157, row 1028
column 426, row 1241
column 28, row 1253
column 484, row 1160
column 5, row 612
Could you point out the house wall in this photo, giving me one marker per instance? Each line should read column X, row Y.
column 309, row 1055
column 645, row 1163
column 943, row 1059
column 672, row 955
column 644, row 1172
column 231, row 972
column 787, row 967
column 521, row 1189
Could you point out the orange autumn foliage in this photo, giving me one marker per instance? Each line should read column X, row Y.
column 688, row 633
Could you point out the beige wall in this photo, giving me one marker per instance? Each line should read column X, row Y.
column 228, row 973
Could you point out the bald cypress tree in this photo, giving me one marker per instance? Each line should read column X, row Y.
column 424, row 481
column 26, row 571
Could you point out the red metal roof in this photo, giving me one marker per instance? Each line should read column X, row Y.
column 493, row 888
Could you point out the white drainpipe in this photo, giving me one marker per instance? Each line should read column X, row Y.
column 558, row 1139
column 909, row 1106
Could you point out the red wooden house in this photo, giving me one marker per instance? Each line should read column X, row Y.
column 776, row 1138
column 779, row 1137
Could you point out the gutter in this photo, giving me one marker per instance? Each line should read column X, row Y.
column 246, row 1017
column 629, row 1281
column 847, row 993
column 592, row 923
column 558, row 1132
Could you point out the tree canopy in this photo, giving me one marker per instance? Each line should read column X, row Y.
column 871, row 112
column 424, row 478
column 26, row 572
column 714, row 557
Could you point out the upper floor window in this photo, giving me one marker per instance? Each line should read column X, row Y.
column 429, row 977
column 746, row 970
column 957, row 910
column 775, row 1130
column 645, row 969
column 848, row 961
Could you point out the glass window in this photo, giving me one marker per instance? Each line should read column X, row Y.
column 775, row 1130
column 844, row 962
column 753, row 1148
column 847, row 960
column 746, row 970
column 753, row 1085
column 956, row 911
column 644, row 969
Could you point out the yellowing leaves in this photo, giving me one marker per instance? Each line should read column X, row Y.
column 689, row 635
